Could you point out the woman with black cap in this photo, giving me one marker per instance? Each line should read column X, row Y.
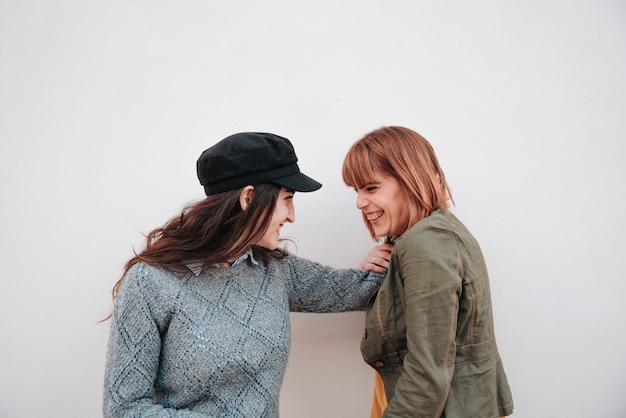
column 200, row 324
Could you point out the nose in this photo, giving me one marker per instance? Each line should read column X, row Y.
column 361, row 201
column 291, row 215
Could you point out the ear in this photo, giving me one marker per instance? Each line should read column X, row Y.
column 245, row 197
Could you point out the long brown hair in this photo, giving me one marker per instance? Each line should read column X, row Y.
column 212, row 230
column 408, row 157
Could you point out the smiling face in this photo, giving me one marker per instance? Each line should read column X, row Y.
column 385, row 205
column 283, row 212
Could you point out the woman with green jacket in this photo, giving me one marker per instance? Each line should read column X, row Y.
column 429, row 330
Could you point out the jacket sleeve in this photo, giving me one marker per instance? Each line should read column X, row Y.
column 313, row 287
column 431, row 274
column 133, row 351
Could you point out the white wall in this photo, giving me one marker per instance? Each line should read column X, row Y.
column 105, row 106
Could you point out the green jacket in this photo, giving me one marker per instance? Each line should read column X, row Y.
column 429, row 329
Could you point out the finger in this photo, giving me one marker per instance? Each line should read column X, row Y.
column 382, row 262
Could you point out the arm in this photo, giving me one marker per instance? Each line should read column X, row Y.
column 313, row 287
column 431, row 265
column 133, row 351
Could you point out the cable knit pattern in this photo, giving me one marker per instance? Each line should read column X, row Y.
column 215, row 345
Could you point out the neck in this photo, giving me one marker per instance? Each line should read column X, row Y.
column 225, row 263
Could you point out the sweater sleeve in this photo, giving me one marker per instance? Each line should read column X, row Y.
column 431, row 274
column 313, row 287
column 134, row 348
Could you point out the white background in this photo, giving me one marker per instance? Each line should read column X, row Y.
column 105, row 106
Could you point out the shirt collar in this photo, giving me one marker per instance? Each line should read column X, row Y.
column 196, row 268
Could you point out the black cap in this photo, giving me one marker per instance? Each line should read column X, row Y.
column 250, row 158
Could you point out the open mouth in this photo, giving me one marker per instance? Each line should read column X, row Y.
column 372, row 217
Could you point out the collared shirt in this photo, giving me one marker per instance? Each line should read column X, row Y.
column 196, row 268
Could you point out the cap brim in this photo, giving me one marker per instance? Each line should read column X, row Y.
column 298, row 183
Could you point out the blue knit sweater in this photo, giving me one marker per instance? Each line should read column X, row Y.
column 216, row 344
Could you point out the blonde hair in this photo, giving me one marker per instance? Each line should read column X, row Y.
column 408, row 157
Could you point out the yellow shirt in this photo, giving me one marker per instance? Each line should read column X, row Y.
column 379, row 403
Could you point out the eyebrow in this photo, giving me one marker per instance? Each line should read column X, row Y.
column 371, row 183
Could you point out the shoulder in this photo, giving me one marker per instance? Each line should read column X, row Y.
column 150, row 281
column 433, row 234
column 143, row 273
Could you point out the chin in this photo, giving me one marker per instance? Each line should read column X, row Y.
column 380, row 233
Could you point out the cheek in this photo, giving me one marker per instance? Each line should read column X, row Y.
column 276, row 215
column 281, row 212
column 399, row 213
